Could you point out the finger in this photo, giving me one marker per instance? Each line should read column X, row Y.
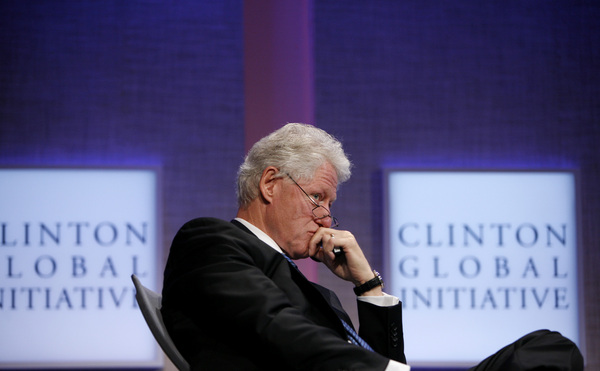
column 321, row 237
column 336, row 249
column 327, row 243
column 315, row 246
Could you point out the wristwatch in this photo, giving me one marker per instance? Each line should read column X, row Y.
column 370, row 284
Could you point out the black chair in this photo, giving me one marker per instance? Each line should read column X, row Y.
column 150, row 303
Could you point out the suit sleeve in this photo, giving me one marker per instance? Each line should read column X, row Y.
column 381, row 327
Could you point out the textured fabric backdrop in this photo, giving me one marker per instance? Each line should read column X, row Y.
column 128, row 83
column 469, row 84
column 403, row 83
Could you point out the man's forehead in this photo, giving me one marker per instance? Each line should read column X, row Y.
column 326, row 178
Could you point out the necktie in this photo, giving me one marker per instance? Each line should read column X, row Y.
column 353, row 337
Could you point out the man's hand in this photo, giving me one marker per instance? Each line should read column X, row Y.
column 351, row 266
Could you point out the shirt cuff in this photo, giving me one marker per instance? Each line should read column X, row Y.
column 397, row 366
column 381, row 301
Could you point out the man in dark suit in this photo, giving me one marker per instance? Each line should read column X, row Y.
column 234, row 300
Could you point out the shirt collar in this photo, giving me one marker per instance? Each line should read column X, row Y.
column 260, row 234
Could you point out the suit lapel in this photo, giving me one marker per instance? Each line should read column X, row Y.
column 328, row 304
column 321, row 298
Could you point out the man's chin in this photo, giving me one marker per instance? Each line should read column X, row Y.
column 299, row 254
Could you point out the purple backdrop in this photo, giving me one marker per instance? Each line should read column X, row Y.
column 434, row 84
column 414, row 84
column 128, row 83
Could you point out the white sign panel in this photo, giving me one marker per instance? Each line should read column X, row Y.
column 69, row 241
column 479, row 259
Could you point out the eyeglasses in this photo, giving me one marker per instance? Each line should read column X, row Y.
column 319, row 211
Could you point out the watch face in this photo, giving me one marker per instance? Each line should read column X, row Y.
column 379, row 278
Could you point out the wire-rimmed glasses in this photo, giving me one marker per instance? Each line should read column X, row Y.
column 319, row 211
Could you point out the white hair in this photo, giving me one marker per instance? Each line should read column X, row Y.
column 296, row 149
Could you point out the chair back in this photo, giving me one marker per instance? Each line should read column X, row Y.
column 150, row 304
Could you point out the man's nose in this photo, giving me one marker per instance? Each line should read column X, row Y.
column 324, row 222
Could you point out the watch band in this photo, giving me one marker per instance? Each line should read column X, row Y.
column 370, row 284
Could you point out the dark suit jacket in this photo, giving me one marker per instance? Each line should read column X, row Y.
column 231, row 302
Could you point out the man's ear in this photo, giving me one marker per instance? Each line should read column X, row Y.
column 267, row 184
